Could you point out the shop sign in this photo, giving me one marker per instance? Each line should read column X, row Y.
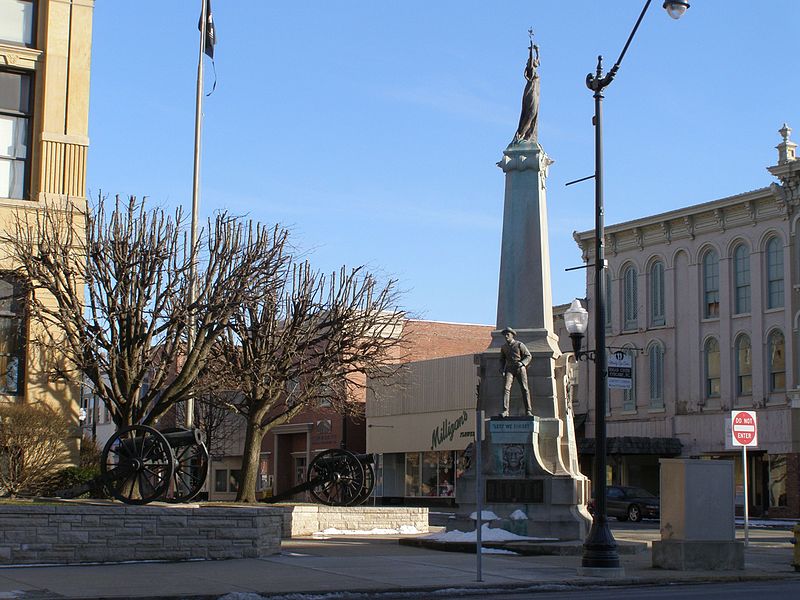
column 447, row 430
column 620, row 371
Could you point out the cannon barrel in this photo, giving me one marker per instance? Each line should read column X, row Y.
column 185, row 437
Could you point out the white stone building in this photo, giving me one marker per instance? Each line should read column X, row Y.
column 707, row 299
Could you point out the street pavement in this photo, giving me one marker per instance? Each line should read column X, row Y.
column 312, row 568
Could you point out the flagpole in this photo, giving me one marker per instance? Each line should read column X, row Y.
column 198, row 126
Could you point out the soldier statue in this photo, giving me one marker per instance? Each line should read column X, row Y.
column 514, row 360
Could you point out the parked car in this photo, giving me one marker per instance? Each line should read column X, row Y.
column 629, row 503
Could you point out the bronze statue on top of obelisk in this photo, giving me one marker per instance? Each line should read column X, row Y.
column 528, row 129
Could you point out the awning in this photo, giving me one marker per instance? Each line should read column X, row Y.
column 634, row 445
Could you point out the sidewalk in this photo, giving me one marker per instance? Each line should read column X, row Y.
column 370, row 563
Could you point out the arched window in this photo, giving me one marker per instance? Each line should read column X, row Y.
column 629, row 396
column 657, row 316
column 777, row 362
column 741, row 280
column 656, row 355
column 609, row 296
column 630, row 308
column 744, row 366
column 12, row 336
column 710, row 285
column 774, row 274
column 711, row 355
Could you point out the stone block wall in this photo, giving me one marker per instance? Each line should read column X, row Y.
column 81, row 533
column 306, row 519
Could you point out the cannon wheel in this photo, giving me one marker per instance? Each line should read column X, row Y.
column 191, row 471
column 136, row 465
column 340, row 475
column 369, row 485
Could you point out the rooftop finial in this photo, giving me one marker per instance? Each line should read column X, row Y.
column 528, row 129
column 786, row 149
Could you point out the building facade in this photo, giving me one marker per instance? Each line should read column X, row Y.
column 45, row 53
column 706, row 301
column 421, row 427
column 288, row 449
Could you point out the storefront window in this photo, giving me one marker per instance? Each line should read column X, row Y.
column 777, row 480
column 412, row 474
column 446, row 474
column 430, row 468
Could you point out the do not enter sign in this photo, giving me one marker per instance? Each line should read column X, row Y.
column 744, row 428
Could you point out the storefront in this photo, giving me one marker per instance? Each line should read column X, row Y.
column 420, row 456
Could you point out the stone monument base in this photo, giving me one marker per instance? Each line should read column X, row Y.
column 683, row 555
column 528, row 491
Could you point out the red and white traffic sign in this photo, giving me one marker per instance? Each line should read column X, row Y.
column 744, row 428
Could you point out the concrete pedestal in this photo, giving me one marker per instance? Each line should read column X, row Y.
column 698, row 528
column 683, row 555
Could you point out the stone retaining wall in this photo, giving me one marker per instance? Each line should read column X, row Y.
column 305, row 519
column 80, row 533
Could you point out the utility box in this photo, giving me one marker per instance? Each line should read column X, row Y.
column 698, row 527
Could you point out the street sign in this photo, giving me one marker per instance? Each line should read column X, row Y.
column 744, row 428
column 620, row 370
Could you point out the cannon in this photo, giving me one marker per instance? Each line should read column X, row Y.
column 335, row 477
column 140, row 464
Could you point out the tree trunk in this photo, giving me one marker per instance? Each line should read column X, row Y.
column 250, row 461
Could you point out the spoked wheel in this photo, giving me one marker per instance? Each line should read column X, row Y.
column 136, row 465
column 369, row 485
column 190, row 470
column 340, row 476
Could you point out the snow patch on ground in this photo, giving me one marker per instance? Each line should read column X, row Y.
column 488, row 534
column 497, row 551
column 403, row 530
column 486, row 515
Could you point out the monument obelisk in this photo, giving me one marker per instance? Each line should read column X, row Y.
column 531, row 482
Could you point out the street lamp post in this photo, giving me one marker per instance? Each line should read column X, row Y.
column 600, row 549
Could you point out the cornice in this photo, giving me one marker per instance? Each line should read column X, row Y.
column 19, row 57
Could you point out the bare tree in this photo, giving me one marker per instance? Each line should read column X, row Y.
column 32, row 446
column 305, row 339
column 112, row 295
column 216, row 422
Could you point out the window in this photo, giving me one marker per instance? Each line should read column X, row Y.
column 744, row 367
column 710, row 285
column 15, row 112
column 629, row 396
column 12, row 336
column 777, row 362
column 607, row 275
column 629, row 299
column 777, row 480
column 221, row 480
column 16, row 22
column 657, row 313
column 227, row 480
column 741, row 280
column 774, row 274
column 431, row 473
column 656, row 376
column 711, row 353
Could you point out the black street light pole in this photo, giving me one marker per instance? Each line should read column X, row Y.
column 600, row 548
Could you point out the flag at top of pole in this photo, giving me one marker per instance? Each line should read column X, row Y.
column 210, row 31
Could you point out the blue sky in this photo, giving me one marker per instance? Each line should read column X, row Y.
column 372, row 129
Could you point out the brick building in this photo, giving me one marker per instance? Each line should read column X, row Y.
column 288, row 449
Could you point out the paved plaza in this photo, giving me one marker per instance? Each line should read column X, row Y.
column 375, row 564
